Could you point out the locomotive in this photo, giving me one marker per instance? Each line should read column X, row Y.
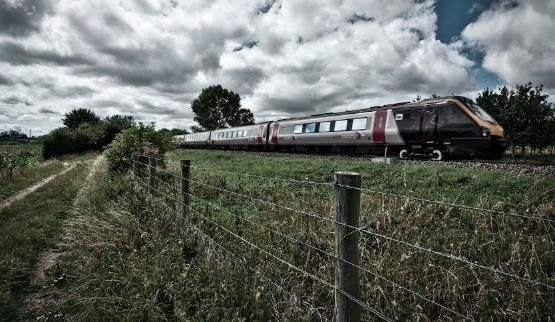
column 438, row 128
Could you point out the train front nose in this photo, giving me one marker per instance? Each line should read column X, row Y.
column 498, row 141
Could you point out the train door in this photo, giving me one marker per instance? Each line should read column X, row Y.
column 430, row 119
column 378, row 131
column 261, row 134
column 275, row 129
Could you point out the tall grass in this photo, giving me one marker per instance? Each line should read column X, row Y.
column 133, row 256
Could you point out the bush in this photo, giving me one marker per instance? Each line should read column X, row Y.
column 11, row 162
column 143, row 139
column 66, row 141
column 86, row 136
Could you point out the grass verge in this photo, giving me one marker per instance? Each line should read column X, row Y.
column 27, row 227
column 28, row 177
column 130, row 256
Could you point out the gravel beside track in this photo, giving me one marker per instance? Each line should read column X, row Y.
column 515, row 168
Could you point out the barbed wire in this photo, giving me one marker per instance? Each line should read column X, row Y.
column 492, row 211
column 330, row 184
column 288, row 264
column 289, row 237
column 420, row 248
column 383, row 193
column 242, row 259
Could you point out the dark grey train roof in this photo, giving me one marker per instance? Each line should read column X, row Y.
column 381, row 107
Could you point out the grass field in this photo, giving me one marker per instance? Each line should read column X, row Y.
column 30, row 226
column 35, row 148
column 9, row 186
column 25, row 177
column 131, row 256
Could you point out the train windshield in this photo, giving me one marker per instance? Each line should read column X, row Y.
column 476, row 109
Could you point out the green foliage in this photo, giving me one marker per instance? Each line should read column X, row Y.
column 143, row 139
column 132, row 256
column 29, row 227
column 13, row 134
column 217, row 107
column 28, row 177
column 86, row 137
column 114, row 124
column 524, row 113
column 80, row 116
column 173, row 131
column 13, row 162
column 67, row 140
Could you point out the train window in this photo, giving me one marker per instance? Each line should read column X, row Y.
column 324, row 127
column 227, row 135
column 340, row 126
column 298, row 129
column 359, row 124
column 310, row 128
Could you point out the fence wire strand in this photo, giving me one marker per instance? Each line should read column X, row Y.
column 377, row 192
column 288, row 264
column 362, row 230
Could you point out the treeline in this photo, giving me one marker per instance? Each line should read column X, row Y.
column 525, row 114
column 86, row 131
column 14, row 134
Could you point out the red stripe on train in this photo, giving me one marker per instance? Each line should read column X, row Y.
column 275, row 133
column 378, row 132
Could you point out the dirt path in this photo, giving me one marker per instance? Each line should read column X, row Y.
column 41, row 299
column 23, row 193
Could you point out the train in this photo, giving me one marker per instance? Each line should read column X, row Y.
column 453, row 127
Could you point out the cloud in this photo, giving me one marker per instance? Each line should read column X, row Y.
column 17, row 54
column 285, row 58
column 47, row 111
column 5, row 81
column 515, row 37
column 22, row 17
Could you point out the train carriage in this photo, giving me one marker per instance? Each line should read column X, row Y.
column 196, row 140
column 436, row 128
column 243, row 137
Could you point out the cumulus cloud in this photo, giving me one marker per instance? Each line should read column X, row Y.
column 285, row 58
column 516, row 38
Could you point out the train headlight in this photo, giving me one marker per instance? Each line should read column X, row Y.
column 485, row 131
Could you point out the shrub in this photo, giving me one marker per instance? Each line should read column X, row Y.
column 10, row 162
column 66, row 141
column 86, row 136
column 143, row 139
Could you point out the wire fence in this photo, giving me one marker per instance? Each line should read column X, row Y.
column 186, row 193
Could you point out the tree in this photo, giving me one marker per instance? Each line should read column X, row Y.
column 217, row 107
column 114, row 124
column 172, row 132
column 524, row 113
column 197, row 129
column 79, row 116
column 13, row 134
column 141, row 139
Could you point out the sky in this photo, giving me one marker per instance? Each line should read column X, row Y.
column 285, row 58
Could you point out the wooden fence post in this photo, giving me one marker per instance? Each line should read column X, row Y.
column 135, row 165
column 185, row 190
column 347, row 212
column 151, row 174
